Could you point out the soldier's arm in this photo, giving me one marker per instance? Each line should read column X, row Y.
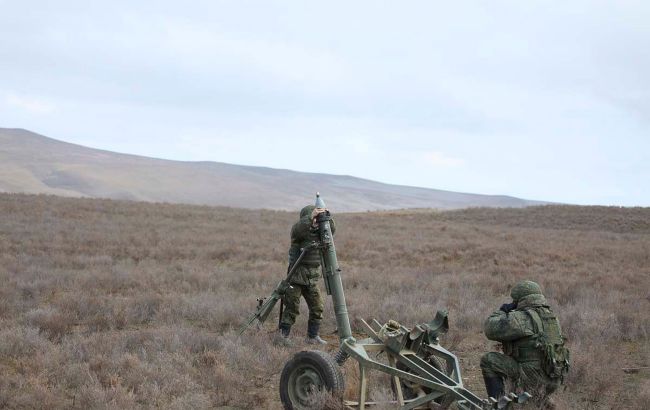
column 314, row 215
column 505, row 327
column 294, row 254
column 299, row 232
column 294, row 248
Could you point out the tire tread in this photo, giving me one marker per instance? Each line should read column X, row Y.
column 333, row 377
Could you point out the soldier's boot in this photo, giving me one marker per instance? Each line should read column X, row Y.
column 282, row 337
column 494, row 386
column 312, row 334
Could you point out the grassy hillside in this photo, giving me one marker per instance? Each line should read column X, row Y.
column 35, row 164
column 109, row 304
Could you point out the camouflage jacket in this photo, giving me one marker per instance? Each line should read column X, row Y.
column 516, row 330
column 303, row 234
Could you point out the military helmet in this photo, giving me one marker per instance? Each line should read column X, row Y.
column 525, row 288
column 306, row 211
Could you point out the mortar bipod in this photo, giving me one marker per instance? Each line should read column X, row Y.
column 422, row 372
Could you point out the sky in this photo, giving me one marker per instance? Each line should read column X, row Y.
column 536, row 99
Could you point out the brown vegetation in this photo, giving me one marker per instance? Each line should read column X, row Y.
column 108, row 304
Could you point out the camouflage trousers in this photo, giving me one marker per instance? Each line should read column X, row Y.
column 312, row 296
column 528, row 376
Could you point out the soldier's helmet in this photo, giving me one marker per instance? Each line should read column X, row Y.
column 523, row 289
column 306, row 211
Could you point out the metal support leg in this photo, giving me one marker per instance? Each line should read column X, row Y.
column 396, row 381
column 420, row 401
column 362, row 387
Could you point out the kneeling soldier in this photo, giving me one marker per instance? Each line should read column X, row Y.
column 534, row 357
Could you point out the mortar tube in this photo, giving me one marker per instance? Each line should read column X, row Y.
column 334, row 279
column 333, row 272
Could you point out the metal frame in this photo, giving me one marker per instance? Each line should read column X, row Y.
column 419, row 372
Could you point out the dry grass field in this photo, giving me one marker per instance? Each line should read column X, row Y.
column 108, row 304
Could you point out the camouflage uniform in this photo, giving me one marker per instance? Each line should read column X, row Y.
column 305, row 279
column 523, row 360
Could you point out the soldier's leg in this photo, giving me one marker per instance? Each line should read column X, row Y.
column 535, row 382
column 315, row 303
column 291, row 308
column 547, row 402
column 496, row 368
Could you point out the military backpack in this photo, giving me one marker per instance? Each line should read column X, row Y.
column 555, row 357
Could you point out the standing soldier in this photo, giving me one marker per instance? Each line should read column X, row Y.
column 534, row 357
column 305, row 280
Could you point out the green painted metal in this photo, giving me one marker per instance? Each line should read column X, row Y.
column 409, row 348
column 332, row 272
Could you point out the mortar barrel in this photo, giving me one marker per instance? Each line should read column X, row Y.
column 333, row 273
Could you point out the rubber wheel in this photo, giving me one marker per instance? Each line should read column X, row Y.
column 306, row 373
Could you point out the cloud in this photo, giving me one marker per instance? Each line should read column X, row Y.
column 198, row 48
column 440, row 159
column 33, row 105
column 504, row 103
column 283, row 60
column 359, row 146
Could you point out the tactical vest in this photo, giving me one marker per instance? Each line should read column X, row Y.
column 312, row 257
column 545, row 347
column 308, row 235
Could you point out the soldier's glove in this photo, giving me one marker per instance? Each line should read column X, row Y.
column 314, row 215
column 508, row 307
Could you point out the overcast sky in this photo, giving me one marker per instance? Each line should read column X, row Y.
column 540, row 100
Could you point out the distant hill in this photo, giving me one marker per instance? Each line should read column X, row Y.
column 32, row 163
